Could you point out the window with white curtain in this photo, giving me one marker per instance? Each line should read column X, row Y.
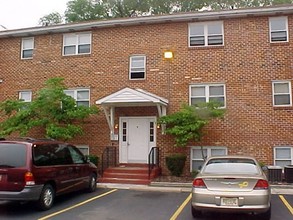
column 283, row 156
column 27, row 48
column 282, row 95
column 81, row 96
column 207, row 93
column 85, row 150
column 198, row 155
column 137, row 67
column 278, row 29
column 76, row 44
column 206, row 34
column 25, row 96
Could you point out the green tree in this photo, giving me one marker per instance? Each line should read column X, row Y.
column 234, row 4
column 51, row 110
column 51, row 19
column 85, row 10
column 187, row 124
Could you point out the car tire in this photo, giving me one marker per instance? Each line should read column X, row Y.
column 47, row 197
column 92, row 183
column 266, row 215
column 195, row 213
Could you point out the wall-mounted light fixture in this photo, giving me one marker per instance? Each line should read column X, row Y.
column 116, row 126
column 168, row 55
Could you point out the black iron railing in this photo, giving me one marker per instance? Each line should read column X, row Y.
column 109, row 158
column 153, row 159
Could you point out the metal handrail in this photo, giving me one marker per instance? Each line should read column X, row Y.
column 109, row 158
column 153, row 159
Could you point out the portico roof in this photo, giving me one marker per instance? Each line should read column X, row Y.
column 128, row 97
column 132, row 97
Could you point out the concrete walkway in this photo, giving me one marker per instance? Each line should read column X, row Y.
column 284, row 189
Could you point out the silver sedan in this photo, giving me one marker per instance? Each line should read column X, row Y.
column 233, row 184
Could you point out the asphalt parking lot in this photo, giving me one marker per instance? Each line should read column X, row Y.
column 125, row 204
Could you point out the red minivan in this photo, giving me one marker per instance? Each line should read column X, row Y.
column 40, row 169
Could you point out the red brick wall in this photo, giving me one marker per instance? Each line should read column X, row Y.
column 246, row 64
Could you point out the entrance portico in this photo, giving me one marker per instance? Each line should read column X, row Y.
column 136, row 134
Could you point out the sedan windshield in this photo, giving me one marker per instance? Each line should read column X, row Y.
column 231, row 166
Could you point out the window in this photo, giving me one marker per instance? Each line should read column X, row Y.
column 279, row 29
column 26, row 96
column 77, row 156
column 207, row 93
column 81, row 96
column 282, row 93
column 197, row 155
column 137, row 67
column 74, row 44
column 283, row 156
column 84, row 149
column 27, row 48
column 206, row 34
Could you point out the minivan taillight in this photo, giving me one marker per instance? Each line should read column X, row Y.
column 198, row 183
column 29, row 179
column 261, row 184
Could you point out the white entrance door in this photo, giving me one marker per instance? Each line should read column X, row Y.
column 137, row 137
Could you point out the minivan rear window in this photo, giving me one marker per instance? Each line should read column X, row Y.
column 12, row 155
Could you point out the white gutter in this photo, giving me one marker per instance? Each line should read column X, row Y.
column 180, row 17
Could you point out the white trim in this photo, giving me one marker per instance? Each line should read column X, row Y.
column 76, row 43
column 205, row 26
column 84, row 147
column 286, row 24
column 209, row 152
column 32, row 41
column 207, row 95
column 75, row 95
column 133, row 69
column 283, row 147
column 20, row 93
column 290, row 93
column 180, row 17
column 125, row 143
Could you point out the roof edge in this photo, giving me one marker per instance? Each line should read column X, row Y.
column 179, row 17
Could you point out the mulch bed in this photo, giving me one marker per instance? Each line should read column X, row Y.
column 175, row 179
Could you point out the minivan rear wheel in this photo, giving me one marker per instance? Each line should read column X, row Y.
column 47, row 197
column 92, row 183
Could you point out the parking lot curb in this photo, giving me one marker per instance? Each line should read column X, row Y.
column 181, row 187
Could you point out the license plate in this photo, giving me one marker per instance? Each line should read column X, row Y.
column 229, row 202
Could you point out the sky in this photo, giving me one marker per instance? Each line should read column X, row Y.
column 15, row 14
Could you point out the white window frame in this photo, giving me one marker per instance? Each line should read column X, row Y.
column 20, row 95
column 278, row 30
column 205, row 35
column 209, row 153
column 133, row 69
column 207, row 93
column 75, row 95
column 275, row 94
column 84, row 148
column 31, row 48
column 283, row 159
column 76, row 43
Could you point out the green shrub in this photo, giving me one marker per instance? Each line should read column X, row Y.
column 194, row 173
column 175, row 164
column 94, row 159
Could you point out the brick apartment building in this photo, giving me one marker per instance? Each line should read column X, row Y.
column 242, row 58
